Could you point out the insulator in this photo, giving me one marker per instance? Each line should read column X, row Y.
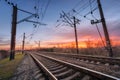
column 8, row 2
column 38, row 17
column 12, row 4
column 91, row 12
column 34, row 7
column 61, row 16
column 74, row 10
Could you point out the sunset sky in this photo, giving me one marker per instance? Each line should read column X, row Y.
column 49, row 12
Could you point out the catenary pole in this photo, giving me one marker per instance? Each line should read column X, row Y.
column 23, row 43
column 108, row 43
column 13, row 33
column 76, row 40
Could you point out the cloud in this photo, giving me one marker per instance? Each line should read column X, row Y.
column 114, row 28
column 83, row 33
column 4, row 42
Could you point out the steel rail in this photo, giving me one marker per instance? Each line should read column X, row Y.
column 93, row 73
column 109, row 60
column 47, row 72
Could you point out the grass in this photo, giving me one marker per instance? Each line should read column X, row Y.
column 7, row 68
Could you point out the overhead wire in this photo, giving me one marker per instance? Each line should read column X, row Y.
column 75, row 6
column 36, row 11
column 35, row 28
column 60, row 23
column 70, row 12
column 85, row 6
column 67, row 13
column 45, row 10
column 41, row 11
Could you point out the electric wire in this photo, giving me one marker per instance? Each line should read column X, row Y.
column 46, row 7
column 97, row 25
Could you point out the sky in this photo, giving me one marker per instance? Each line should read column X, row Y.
column 56, row 31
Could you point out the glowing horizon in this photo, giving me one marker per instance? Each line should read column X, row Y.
column 69, row 44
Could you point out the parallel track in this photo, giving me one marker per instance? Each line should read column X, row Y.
column 93, row 59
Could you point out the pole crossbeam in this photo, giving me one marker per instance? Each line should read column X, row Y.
column 26, row 18
column 25, row 11
column 36, row 22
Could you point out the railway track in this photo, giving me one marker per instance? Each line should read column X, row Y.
column 97, row 65
column 56, row 69
column 91, row 59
